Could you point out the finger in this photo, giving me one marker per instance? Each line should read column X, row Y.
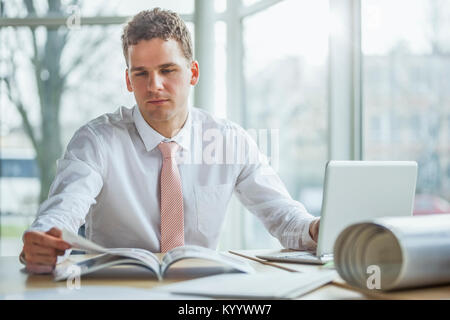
column 55, row 232
column 38, row 269
column 36, row 249
column 40, row 259
column 50, row 241
column 29, row 236
column 60, row 252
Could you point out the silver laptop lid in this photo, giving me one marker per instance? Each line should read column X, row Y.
column 361, row 190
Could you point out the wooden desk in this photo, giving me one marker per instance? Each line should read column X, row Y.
column 15, row 280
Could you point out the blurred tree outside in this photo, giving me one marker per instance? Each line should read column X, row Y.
column 48, row 74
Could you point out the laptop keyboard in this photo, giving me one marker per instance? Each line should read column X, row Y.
column 293, row 254
column 297, row 256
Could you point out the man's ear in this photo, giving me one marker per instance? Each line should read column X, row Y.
column 127, row 79
column 195, row 73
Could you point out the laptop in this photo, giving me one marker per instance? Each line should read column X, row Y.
column 355, row 191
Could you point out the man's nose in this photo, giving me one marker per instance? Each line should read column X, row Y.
column 155, row 83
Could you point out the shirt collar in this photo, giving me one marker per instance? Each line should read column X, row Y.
column 152, row 138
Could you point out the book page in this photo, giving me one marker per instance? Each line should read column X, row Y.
column 144, row 256
column 198, row 252
column 81, row 243
column 96, row 263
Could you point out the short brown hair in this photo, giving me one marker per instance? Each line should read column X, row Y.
column 157, row 23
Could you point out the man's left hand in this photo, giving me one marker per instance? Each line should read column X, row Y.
column 314, row 229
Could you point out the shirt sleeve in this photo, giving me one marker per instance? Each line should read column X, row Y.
column 78, row 181
column 262, row 192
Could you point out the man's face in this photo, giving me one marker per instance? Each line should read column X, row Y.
column 160, row 77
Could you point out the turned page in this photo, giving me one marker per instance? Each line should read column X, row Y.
column 81, row 243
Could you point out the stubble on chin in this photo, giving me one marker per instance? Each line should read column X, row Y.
column 159, row 114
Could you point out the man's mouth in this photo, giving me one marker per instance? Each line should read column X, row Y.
column 157, row 101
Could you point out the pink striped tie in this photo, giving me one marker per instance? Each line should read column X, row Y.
column 172, row 217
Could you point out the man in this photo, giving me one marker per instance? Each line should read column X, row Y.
column 133, row 176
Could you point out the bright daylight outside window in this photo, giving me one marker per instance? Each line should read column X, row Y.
column 286, row 77
column 406, row 92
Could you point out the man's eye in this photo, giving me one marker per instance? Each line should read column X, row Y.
column 141, row 74
column 167, row 70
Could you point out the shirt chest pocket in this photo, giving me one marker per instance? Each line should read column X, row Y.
column 211, row 202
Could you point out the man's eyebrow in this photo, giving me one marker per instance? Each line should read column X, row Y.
column 167, row 65
column 137, row 69
column 162, row 66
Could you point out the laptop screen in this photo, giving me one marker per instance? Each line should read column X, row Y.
column 356, row 191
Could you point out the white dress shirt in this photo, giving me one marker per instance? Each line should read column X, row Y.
column 109, row 179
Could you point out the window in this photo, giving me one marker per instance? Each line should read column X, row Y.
column 406, row 91
column 288, row 87
column 77, row 74
column 286, row 76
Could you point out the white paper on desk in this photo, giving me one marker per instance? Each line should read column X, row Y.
column 93, row 293
column 273, row 285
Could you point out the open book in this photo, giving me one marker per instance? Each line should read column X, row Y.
column 395, row 252
column 133, row 256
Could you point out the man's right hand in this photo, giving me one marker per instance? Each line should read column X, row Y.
column 40, row 249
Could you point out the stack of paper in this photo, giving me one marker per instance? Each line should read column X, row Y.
column 86, row 292
column 273, row 285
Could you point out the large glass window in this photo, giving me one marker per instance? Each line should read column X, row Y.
column 54, row 80
column 406, row 91
column 286, row 77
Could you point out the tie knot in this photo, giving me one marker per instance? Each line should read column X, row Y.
column 168, row 149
